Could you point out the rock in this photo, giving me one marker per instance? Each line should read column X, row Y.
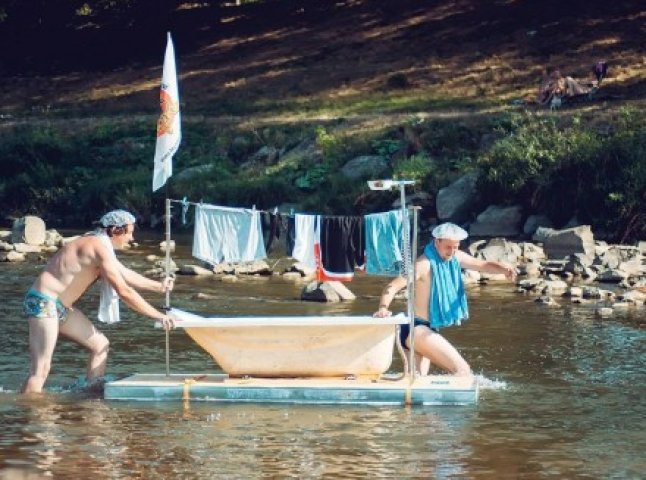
column 471, row 277
column 255, row 267
column 343, row 291
column 577, row 263
column 28, row 229
column 636, row 297
column 53, row 238
column 533, row 222
column 14, row 257
column 302, row 269
column 574, row 292
column 500, row 250
column 26, row 248
column 562, row 243
column 364, row 166
column 530, row 269
column 319, row 292
column 294, row 276
column 530, row 283
column 266, row 155
column 555, row 286
column 454, row 203
column 603, row 311
column 203, row 296
column 546, row 300
column 531, row 252
column 497, row 221
column 612, row 276
column 194, row 270
column 229, row 279
column 591, row 292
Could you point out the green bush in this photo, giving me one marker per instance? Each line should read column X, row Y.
column 565, row 170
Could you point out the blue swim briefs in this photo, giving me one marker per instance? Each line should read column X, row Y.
column 39, row 305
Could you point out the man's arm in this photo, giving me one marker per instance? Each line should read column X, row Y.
column 387, row 296
column 472, row 263
column 422, row 267
column 110, row 271
column 137, row 280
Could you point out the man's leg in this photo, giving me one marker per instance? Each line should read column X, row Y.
column 79, row 329
column 439, row 351
column 43, row 333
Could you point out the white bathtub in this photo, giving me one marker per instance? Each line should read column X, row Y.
column 296, row 346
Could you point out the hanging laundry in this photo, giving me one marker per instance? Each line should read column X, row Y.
column 384, row 243
column 227, row 234
column 341, row 247
column 271, row 223
column 306, row 228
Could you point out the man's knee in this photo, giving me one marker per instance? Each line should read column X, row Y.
column 100, row 345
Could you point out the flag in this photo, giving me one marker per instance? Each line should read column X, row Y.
column 169, row 132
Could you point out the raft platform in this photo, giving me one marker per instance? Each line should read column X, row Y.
column 350, row 390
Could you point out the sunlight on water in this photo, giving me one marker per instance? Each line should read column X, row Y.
column 485, row 383
column 561, row 397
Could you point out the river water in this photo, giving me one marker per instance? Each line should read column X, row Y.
column 563, row 397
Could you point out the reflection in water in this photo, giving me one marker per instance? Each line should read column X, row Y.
column 562, row 397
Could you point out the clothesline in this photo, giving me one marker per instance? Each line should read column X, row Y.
column 186, row 203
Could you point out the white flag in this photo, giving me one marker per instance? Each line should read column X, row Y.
column 169, row 132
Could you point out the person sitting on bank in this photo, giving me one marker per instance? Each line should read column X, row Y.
column 440, row 298
column 555, row 85
column 49, row 303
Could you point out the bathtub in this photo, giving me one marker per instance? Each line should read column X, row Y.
column 295, row 346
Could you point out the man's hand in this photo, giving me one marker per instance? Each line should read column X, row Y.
column 510, row 273
column 168, row 321
column 382, row 312
column 167, row 284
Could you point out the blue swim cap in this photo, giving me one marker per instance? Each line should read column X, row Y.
column 117, row 218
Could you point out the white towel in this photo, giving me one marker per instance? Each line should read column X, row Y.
column 306, row 235
column 109, row 303
column 227, row 234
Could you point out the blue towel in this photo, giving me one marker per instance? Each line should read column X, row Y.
column 448, row 302
column 384, row 243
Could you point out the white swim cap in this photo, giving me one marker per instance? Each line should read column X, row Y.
column 449, row 231
column 117, row 218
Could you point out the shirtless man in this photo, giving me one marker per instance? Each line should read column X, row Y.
column 442, row 253
column 68, row 274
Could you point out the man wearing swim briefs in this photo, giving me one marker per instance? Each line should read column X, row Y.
column 68, row 274
column 440, row 299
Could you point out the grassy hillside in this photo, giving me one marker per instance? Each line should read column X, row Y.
column 436, row 87
column 304, row 58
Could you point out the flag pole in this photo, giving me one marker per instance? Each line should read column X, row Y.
column 167, row 302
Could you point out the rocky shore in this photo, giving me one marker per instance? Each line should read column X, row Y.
column 567, row 264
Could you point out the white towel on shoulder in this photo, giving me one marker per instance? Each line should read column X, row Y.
column 109, row 303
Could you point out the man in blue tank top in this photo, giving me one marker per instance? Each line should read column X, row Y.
column 440, row 299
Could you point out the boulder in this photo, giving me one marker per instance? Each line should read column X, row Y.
column 364, row 166
column 28, row 229
column 497, row 221
column 454, row 202
column 533, row 222
column 194, row 270
column 562, row 243
column 319, row 292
